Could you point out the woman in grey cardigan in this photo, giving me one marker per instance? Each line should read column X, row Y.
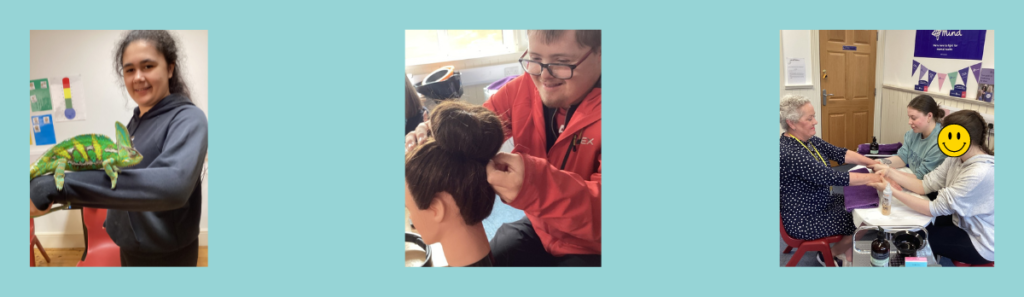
column 964, row 227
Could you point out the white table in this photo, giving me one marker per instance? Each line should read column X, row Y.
column 900, row 214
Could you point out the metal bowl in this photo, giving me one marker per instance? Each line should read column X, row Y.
column 908, row 243
column 416, row 239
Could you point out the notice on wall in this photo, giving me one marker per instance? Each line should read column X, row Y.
column 39, row 95
column 42, row 129
column 796, row 71
column 950, row 44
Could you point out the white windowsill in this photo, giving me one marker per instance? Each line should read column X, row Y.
column 473, row 62
column 429, row 61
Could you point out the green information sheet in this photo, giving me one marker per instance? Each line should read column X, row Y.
column 39, row 95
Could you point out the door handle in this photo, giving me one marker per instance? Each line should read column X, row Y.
column 824, row 97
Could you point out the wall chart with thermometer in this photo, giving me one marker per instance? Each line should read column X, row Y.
column 69, row 110
column 72, row 108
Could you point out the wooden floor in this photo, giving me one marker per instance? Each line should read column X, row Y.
column 70, row 257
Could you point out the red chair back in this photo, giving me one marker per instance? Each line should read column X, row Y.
column 102, row 252
column 31, row 242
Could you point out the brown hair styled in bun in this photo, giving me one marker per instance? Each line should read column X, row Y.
column 454, row 160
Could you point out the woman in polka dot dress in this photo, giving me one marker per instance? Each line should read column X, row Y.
column 809, row 209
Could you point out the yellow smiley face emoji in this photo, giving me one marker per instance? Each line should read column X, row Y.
column 954, row 140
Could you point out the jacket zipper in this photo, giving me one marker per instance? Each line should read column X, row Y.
column 573, row 146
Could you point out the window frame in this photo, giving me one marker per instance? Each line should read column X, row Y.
column 514, row 41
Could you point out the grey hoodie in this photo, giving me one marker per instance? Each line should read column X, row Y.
column 967, row 191
column 157, row 204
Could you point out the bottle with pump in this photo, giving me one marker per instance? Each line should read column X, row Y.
column 880, row 250
column 874, row 145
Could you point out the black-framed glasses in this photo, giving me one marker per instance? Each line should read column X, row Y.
column 558, row 70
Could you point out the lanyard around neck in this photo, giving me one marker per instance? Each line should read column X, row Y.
column 812, row 155
column 809, row 150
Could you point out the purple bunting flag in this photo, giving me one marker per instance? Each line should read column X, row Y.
column 931, row 75
column 923, row 71
column 915, row 68
column 963, row 75
column 976, row 68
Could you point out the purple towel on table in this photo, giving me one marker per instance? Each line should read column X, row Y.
column 494, row 86
column 883, row 149
column 860, row 196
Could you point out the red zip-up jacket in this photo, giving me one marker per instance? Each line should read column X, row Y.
column 563, row 205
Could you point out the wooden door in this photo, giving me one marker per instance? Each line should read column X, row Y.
column 848, row 89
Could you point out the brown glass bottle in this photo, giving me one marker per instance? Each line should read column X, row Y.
column 880, row 250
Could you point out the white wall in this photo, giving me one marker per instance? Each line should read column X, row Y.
column 799, row 44
column 90, row 54
column 899, row 57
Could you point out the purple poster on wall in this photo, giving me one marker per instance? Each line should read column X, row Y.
column 950, row 44
column 988, row 76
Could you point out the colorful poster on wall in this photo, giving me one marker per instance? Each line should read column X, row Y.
column 986, row 85
column 950, row 44
column 39, row 95
column 42, row 129
column 72, row 107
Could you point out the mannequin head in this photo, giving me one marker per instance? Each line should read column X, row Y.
column 446, row 185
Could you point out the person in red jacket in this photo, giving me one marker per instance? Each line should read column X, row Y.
column 553, row 116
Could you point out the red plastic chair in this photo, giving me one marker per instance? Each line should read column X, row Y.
column 102, row 252
column 34, row 242
column 804, row 246
column 962, row 264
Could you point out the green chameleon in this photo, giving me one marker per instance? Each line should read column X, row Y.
column 88, row 152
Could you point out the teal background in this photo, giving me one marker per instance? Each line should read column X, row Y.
column 690, row 168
